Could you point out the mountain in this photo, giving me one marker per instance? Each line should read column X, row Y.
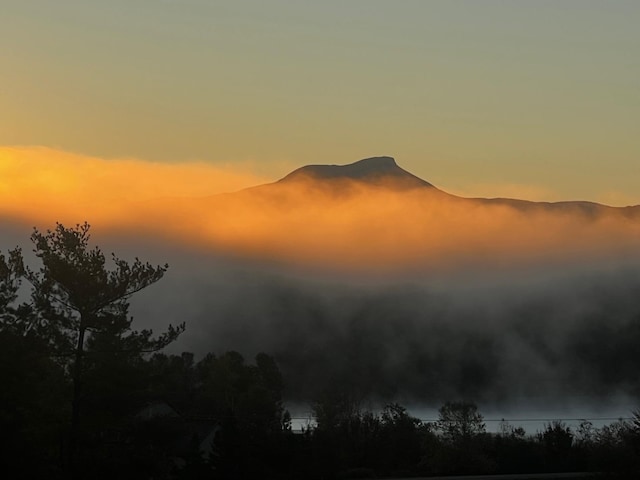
column 373, row 171
column 383, row 172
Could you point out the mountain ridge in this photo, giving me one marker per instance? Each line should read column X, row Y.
column 384, row 172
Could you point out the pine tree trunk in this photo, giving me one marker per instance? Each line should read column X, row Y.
column 75, row 404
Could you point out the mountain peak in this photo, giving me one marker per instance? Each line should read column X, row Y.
column 375, row 170
column 377, row 162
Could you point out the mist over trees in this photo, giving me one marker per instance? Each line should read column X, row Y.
column 84, row 393
column 539, row 337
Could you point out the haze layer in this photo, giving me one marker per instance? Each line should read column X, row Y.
column 369, row 215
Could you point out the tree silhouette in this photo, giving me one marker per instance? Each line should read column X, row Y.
column 11, row 271
column 463, row 434
column 32, row 386
column 77, row 298
column 557, row 439
column 460, row 421
column 401, row 436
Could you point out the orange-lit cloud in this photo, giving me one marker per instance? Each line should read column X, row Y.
column 348, row 224
column 339, row 224
column 44, row 184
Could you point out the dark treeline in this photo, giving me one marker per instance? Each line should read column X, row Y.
column 83, row 395
column 169, row 417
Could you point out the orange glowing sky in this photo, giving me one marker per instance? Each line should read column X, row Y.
column 343, row 225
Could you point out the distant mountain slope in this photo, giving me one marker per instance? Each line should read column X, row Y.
column 589, row 209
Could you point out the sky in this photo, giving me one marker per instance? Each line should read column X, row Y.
column 530, row 99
